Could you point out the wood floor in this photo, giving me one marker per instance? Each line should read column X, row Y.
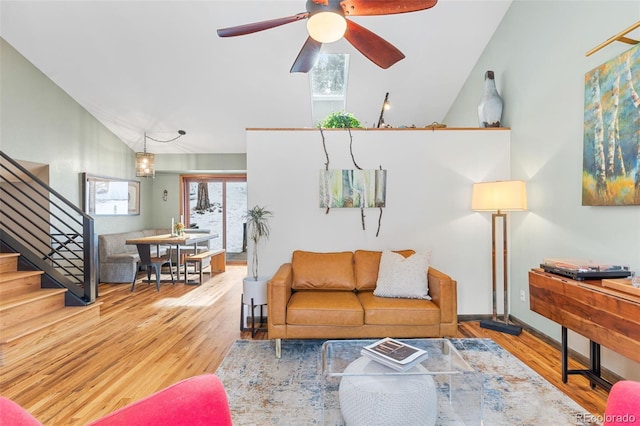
column 147, row 340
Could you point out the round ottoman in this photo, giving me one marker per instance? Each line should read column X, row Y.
column 386, row 400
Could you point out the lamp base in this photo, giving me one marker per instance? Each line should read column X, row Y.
column 501, row 326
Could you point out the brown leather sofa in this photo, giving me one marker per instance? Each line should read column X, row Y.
column 330, row 296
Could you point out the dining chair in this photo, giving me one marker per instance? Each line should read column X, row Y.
column 148, row 262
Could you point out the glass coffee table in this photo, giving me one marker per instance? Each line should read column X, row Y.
column 443, row 389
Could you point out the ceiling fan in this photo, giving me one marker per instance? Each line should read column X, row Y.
column 327, row 23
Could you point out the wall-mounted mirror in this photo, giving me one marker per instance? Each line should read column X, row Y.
column 106, row 196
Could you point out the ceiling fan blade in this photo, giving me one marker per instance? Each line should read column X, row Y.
column 384, row 7
column 307, row 57
column 260, row 26
column 378, row 50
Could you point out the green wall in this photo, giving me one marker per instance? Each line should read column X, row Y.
column 43, row 124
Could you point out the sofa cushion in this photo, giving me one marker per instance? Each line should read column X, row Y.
column 153, row 232
column 322, row 271
column 124, row 258
column 340, row 308
column 403, row 277
column 366, row 265
column 397, row 311
column 110, row 244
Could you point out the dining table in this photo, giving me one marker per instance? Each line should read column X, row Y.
column 178, row 241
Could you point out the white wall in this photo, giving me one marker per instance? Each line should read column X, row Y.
column 429, row 181
column 538, row 55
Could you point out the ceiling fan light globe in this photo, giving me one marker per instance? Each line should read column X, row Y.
column 326, row 27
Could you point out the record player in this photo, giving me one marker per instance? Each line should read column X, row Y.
column 581, row 269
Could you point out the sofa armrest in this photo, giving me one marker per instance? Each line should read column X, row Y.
column 623, row 404
column 444, row 293
column 278, row 295
column 197, row 400
column 13, row 414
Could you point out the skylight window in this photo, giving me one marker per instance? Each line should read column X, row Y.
column 328, row 80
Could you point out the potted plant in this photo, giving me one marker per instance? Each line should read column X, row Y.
column 257, row 220
column 341, row 120
column 254, row 288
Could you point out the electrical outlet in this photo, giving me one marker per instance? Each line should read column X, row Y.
column 523, row 296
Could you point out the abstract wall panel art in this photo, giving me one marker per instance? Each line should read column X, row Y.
column 353, row 188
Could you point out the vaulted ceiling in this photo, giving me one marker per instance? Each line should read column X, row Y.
column 159, row 66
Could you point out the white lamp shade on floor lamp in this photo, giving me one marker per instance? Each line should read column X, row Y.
column 499, row 196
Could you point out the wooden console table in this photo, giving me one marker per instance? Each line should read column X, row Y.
column 604, row 315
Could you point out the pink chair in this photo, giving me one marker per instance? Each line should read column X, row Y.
column 623, row 404
column 199, row 400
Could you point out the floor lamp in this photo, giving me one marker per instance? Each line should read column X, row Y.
column 499, row 197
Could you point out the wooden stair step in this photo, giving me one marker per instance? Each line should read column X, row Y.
column 21, row 308
column 15, row 275
column 9, row 262
column 8, row 303
column 19, row 282
column 41, row 322
column 36, row 335
column 32, row 318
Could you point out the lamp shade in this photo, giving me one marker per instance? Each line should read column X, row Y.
column 326, row 27
column 145, row 164
column 501, row 195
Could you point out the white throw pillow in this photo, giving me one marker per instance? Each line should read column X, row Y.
column 403, row 277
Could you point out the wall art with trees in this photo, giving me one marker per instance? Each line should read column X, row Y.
column 611, row 160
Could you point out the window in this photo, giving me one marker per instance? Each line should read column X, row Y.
column 328, row 79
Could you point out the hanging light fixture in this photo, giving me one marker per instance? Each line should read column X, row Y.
column 146, row 161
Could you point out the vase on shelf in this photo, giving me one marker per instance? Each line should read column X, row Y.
column 490, row 107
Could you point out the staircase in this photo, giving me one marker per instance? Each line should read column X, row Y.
column 33, row 318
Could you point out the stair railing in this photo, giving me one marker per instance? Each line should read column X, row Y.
column 49, row 231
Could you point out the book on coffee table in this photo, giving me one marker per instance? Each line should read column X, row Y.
column 394, row 354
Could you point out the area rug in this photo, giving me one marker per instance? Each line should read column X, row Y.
column 264, row 390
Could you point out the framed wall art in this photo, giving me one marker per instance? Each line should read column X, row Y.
column 355, row 188
column 611, row 142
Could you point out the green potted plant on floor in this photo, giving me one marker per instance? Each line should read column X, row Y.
column 257, row 220
column 254, row 288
